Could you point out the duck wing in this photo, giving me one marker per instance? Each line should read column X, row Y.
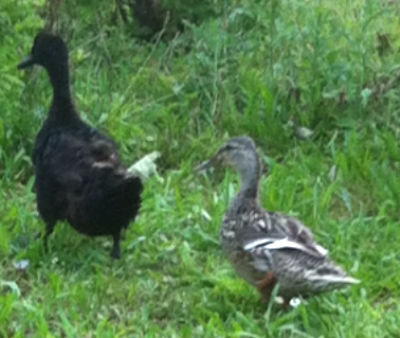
column 75, row 147
column 284, row 245
column 78, row 173
column 275, row 231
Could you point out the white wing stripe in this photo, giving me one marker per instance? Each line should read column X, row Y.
column 321, row 250
column 284, row 243
column 258, row 242
column 333, row 279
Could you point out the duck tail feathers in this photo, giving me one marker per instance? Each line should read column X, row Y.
column 145, row 167
column 335, row 279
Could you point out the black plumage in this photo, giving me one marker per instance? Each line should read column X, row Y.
column 79, row 175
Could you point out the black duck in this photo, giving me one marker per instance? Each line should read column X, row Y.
column 79, row 175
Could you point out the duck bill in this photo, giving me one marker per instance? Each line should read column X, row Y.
column 204, row 166
column 27, row 62
column 212, row 162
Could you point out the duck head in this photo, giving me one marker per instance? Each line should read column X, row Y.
column 48, row 50
column 240, row 153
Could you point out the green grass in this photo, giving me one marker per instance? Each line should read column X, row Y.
column 248, row 69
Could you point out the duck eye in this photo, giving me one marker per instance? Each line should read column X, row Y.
column 228, row 147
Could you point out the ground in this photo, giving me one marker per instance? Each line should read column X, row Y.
column 262, row 68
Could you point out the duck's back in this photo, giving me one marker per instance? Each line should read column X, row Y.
column 79, row 178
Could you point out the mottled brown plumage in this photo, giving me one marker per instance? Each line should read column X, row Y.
column 268, row 247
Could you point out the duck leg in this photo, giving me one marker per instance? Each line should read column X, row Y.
column 265, row 285
column 116, row 250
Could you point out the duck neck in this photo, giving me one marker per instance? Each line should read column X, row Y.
column 62, row 107
column 247, row 196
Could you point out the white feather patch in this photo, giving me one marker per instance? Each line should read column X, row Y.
column 321, row 250
column 257, row 242
column 261, row 223
column 145, row 167
column 334, row 279
column 283, row 243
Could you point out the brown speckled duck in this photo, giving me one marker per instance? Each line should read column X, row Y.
column 265, row 247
